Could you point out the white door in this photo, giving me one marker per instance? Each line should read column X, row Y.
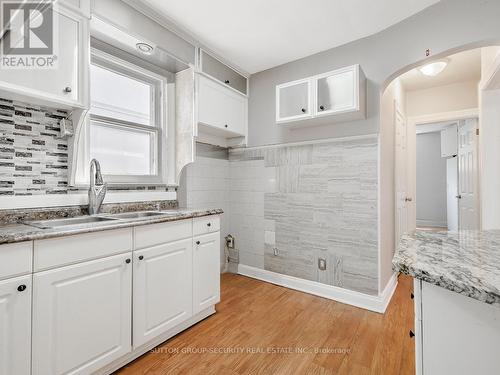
column 69, row 41
column 468, row 175
column 163, row 289
column 206, row 271
column 82, row 316
column 15, row 326
column 401, row 173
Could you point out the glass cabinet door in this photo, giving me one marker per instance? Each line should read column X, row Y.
column 294, row 101
column 336, row 92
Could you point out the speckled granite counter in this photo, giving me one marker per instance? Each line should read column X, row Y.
column 10, row 233
column 466, row 262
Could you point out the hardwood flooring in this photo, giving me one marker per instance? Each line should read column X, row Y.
column 260, row 328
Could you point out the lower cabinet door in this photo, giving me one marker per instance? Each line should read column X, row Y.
column 206, row 271
column 15, row 326
column 82, row 316
column 163, row 289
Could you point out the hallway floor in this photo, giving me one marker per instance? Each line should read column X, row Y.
column 268, row 329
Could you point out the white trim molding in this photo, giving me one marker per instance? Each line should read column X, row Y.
column 365, row 301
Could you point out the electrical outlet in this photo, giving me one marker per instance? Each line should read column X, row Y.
column 276, row 251
column 322, row 264
column 230, row 241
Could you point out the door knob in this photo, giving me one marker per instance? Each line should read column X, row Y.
column 458, row 196
column 408, row 199
column 226, row 82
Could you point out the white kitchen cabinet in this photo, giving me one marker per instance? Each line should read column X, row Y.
column 206, row 271
column 221, row 109
column 65, row 85
column 163, row 289
column 339, row 95
column 82, row 316
column 294, row 100
column 458, row 334
column 15, row 326
column 223, row 73
column 449, row 142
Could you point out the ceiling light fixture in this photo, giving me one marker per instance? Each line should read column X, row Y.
column 144, row 48
column 434, row 68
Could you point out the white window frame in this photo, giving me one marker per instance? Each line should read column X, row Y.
column 158, row 109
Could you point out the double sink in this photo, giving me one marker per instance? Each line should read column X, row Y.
column 99, row 219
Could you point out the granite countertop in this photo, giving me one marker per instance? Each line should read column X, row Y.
column 10, row 233
column 466, row 262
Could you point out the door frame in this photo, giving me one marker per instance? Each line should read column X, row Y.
column 412, row 123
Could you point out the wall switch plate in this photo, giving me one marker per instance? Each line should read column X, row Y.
column 230, row 241
column 322, row 264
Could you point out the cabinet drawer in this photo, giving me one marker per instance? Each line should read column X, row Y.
column 223, row 73
column 155, row 234
column 206, row 224
column 16, row 259
column 55, row 252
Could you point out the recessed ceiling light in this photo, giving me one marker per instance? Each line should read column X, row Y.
column 144, row 48
column 434, row 68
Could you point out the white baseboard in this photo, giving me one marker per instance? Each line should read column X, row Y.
column 373, row 303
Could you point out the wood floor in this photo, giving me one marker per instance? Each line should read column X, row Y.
column 267, row 329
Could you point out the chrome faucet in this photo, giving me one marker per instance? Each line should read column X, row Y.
column 98, row 187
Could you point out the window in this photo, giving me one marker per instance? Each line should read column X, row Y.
column 126, row 121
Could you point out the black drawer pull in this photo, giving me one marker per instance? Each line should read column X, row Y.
column 197, row 242
column 412, row 295
column 303, row 110
column 21, row 288
column 412, row 335
column 127, row 260
column 209, row 224
column 141, row 257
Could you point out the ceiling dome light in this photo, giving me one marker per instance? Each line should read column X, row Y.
column 434, row 68
column 144, row 48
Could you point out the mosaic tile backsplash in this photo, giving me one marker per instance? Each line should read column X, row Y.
column 33, row 160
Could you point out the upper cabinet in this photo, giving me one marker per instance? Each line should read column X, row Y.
column 449, row 142
column 335, row 96
column 293, row 100
column 65, row 84
column 222, row 73
column 223, row 111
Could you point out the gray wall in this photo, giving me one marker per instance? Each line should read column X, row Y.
column 448, row 25
column 431, row 181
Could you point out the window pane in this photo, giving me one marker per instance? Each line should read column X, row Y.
column 121, row 150
column 116, row 96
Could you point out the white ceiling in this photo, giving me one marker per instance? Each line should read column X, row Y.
column 463, row 66
column 256, row 35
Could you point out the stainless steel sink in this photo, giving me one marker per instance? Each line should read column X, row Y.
column 136, row 215
column 55, row 223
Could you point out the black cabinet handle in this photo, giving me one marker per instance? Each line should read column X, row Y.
column 412, row 335
column 226, row 82
column 225, row 126
column 412, row 295
column 141, row 257
column 127, row 260
column 67, row 90
column 322, row 108
column 21, row 288
column 197, row 242
column 209, row 224
column 303, row 110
